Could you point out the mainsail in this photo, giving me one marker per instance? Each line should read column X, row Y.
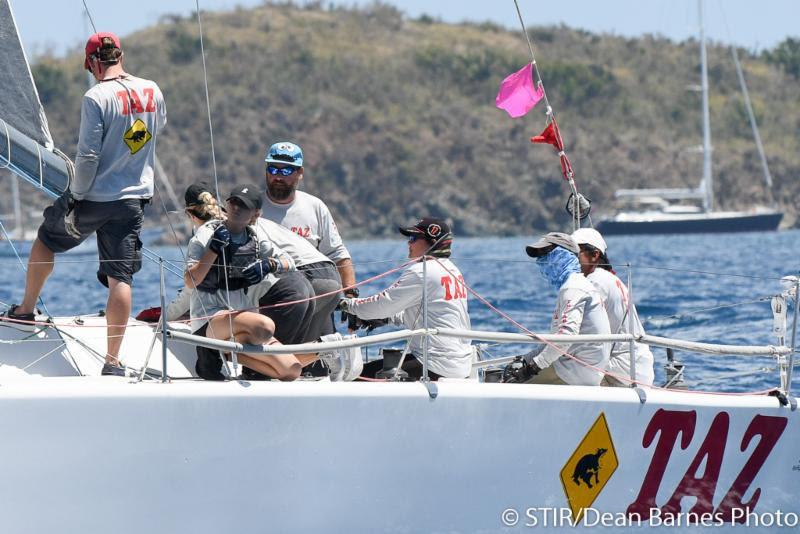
column 26, row 146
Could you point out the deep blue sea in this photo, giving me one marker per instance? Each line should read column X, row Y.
column 712, row 288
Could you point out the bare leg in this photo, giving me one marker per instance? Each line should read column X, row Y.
column 305, row 359
column 40, row 265
column 256, row 329
column 118, row 309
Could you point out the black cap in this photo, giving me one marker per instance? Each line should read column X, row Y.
column 248, row 194
column 434, row 230
column 192, row 195
column 431, row 228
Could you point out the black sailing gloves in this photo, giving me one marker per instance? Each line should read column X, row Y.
column 354, row 322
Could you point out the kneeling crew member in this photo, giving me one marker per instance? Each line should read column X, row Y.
column 401, row 303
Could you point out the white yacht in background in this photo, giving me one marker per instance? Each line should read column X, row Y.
column 656, row 212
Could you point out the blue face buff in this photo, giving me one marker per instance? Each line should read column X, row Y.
column 557, row 265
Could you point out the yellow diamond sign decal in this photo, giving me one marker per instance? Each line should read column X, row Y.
column 137, row 136
column 589, row 468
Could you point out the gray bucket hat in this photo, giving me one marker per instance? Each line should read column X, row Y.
column 559, row 239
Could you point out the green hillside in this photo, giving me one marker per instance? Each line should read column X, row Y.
column 397, row 118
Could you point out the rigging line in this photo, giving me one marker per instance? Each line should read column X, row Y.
column 21, row 263
column 88, row 14
column 214, row 166
column 748, row 105
column 568, row 174
column 208, row 101
column 699, row 310
column 169, row 222
column 693, row 271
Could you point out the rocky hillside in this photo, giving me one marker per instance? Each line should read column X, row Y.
column 397, row 117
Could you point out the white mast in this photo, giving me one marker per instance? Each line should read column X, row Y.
column 708, row 180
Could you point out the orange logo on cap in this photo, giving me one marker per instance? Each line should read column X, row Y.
column 434, row 230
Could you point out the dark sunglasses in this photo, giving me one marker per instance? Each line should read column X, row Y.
column 413, row 238
column 283, row 171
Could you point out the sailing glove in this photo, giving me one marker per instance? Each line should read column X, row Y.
column 259, row 269
column 220, row 239
column 520, row 371
column 70, row 203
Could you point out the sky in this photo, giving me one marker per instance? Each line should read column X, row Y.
column 59, row 25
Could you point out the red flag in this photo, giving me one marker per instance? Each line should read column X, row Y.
column 548, row 136
column 551, row 135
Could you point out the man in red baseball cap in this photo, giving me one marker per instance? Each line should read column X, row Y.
column 104, row 47
column 121, row 117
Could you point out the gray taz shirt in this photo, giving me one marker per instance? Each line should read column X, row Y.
column 120, row 121
column 310, row 218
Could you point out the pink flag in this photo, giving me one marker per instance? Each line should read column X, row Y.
column 517, row 94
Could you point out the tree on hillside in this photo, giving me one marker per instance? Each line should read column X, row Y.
column 787, row 56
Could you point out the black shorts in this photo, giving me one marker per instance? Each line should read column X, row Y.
column 117, row 224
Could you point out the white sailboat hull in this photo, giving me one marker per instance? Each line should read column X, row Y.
column 96, row 454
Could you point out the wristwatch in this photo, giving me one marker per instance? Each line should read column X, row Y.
column 351, row 293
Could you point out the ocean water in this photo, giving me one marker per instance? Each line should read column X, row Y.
column 710, row 288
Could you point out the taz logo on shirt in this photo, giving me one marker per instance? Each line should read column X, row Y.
column 454, row 288
column 304, row 231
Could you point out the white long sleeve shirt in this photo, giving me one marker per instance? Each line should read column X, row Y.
column 579, row 310
column 447, row 308
column 615, row 297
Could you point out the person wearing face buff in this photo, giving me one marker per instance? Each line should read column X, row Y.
column 579, row 310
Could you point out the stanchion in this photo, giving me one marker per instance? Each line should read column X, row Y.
column 632, row 343
column 163, row 322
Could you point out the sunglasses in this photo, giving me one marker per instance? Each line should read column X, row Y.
column 414, row 238
column 283, row 171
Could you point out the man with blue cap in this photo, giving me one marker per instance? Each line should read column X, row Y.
column 579, row 310
column 309, row 217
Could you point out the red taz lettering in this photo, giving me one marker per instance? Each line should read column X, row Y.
column 668, row 425
column 130, row 99
column 770, row 429
column 149, row 92
column 710, row 453
column 302, row 232
column 459, row 290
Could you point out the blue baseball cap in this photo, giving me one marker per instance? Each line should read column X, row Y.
column 285, row 152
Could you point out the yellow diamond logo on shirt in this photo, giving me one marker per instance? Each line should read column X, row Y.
column 589, row 468
column 137, row 136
